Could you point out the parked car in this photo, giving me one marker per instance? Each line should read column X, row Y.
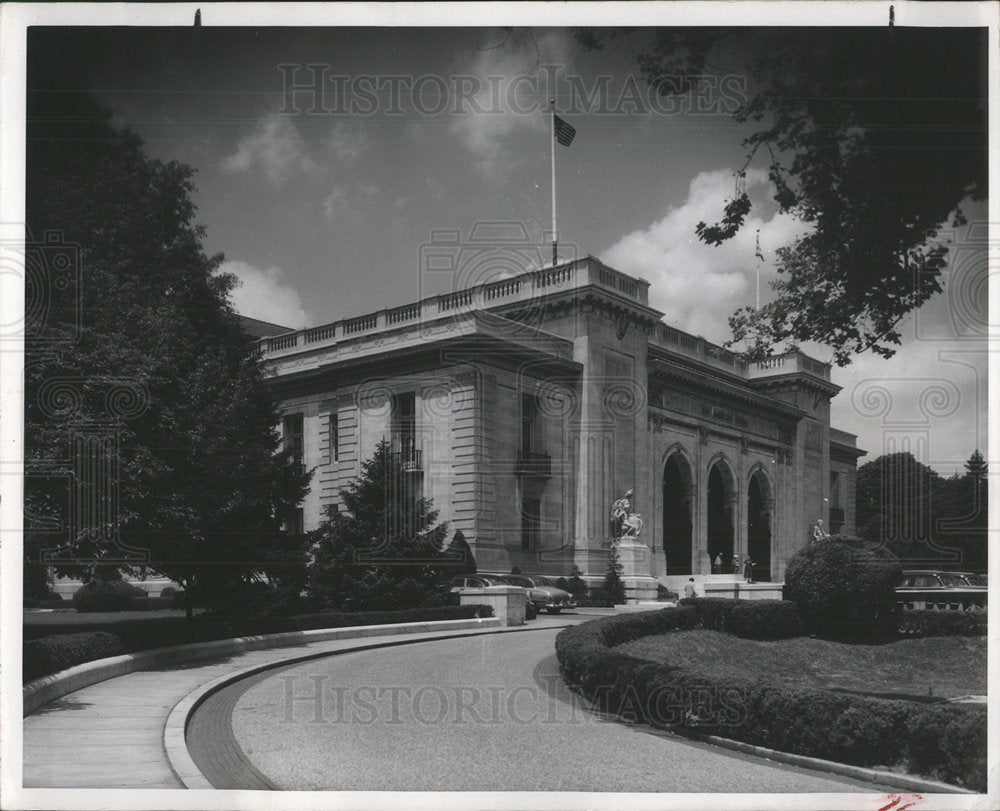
column 481, row 580
column 541, row 592
column 935, row 589
column 971, row 578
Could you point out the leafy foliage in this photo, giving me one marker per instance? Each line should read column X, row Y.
column 872, row 138
column 200, row 477
column 384, row 550
column 925, row 519
column 845, row 588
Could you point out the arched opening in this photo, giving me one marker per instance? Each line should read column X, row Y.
column 677, row 515
column 759, row 526
column 720, row 519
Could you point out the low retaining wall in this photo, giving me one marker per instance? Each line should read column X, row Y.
column 41, row 691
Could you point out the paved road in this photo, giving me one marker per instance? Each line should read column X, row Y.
column 485, row 713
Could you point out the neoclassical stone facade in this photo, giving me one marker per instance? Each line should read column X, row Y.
column 526, row 405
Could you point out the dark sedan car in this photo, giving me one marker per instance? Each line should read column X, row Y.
column 934, row 589
column 542, row 593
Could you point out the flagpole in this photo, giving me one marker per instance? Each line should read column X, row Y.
column 552, row 146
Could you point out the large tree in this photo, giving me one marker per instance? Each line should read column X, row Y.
column 925, row 518
column 145, row 399
column 872, row 137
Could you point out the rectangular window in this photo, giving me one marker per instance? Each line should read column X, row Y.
column 334, row 438
column 529, row 410
column 404, row 421
column 293, row 437
column 295, row 524
column 834, row 488
column 531, row 513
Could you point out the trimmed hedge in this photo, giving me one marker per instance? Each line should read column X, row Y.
column 56, row 647
column 116, row 595
column 748, row 619
column 944, row 743
column 942, row 623
column 845, row 588
column 55, row 653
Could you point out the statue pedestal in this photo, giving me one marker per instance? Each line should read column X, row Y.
column 636, row 559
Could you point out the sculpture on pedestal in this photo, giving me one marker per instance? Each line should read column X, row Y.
column 627, row 524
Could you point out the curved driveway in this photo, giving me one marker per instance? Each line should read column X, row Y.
column 484, row 713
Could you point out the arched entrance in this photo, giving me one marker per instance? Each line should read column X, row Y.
column 720, row 515
column 677, row 493
column 759, row 504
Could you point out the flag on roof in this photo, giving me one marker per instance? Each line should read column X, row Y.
column 565, row 132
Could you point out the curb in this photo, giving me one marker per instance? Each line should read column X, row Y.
column 41, row 691
column 904, row 781
column 175, row 728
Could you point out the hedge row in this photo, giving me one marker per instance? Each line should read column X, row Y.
column 942, row 623
column 944, row 743
column 63, row 646
column 749, row 619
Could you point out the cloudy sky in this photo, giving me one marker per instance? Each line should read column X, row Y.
column 323, row 204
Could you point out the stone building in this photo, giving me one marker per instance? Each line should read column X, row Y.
column 525, row 405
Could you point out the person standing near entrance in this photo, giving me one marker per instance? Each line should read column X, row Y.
column 717, row 564
column 748, row 569
column 689, row 591
column 736, row 564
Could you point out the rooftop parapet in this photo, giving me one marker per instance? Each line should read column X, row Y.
column 524, row 287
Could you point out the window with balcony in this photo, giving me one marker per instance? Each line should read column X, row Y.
column 530, row 460
column 404, row 430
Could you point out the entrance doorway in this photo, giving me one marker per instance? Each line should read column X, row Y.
column 759, row 526
column 720, row 520
column 677, row 515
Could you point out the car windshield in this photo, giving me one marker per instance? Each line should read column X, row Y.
column 973, row 579
column 518, row 580
column 541, row 581
column 951, row 581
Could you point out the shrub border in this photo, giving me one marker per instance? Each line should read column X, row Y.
column 48, row 688
column 812, row 723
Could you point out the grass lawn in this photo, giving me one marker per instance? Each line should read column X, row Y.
column 946, row 666
column 73, row 618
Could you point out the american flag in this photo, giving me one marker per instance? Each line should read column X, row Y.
column 565, row 132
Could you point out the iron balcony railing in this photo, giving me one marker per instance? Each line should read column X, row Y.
column 533, row 464
column 409, row 459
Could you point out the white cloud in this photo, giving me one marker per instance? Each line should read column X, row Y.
column 348, row 143
column 512, row 95
column 335, row 203
column 930, row 398
column 275, row 148
column 699, row 286
column 266, row 295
